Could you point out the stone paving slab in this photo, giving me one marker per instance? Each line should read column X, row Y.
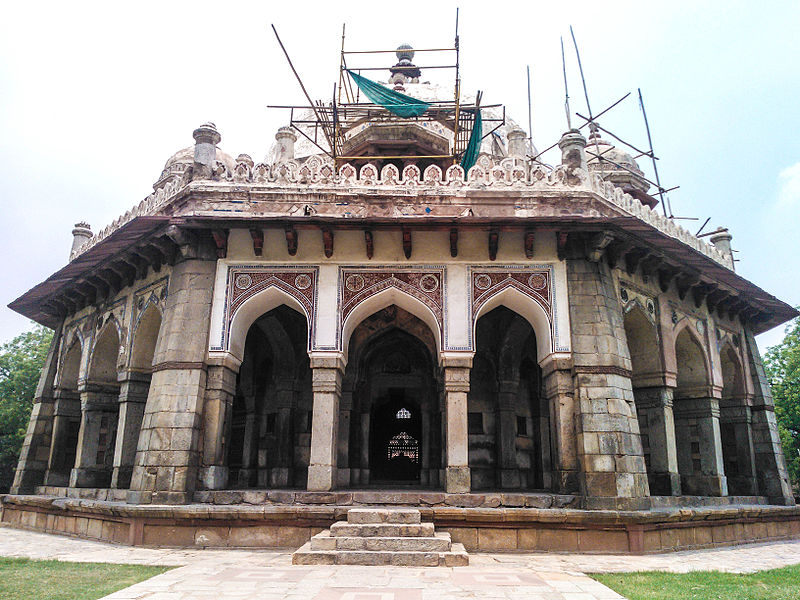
column 269, row 575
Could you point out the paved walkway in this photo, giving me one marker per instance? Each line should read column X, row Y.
column 269, row 575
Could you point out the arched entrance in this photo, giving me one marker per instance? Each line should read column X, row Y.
column 508, row 415
column 268, row 426
column 390, row 413
column 697, row 434
column 654, row 403
column 736, row 427
column 100, row 412
column 66, row 419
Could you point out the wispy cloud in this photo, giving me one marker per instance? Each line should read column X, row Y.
column 789, row 190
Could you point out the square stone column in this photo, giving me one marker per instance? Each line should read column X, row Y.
column 328, row 369
column 283, row 461
column 736, row 428
column 456, row 388
column 132, row 398
column 771, row 472
column 699, row 446
column 94, row 459
column 35, row 452
column 558, row 389
column 507, row 425
column 168, row 454
column 654, row 407
column 220, row 389
column 66, row 421
column 609, row 447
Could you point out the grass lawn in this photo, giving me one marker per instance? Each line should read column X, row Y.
column 777, row 584
column 25, row 579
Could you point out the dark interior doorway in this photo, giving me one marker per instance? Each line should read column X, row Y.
column 395, row 446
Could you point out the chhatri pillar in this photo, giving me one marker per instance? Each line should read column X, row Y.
column 456, row 369
column 327, row 371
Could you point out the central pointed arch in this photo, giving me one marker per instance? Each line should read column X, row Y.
column 383, row 299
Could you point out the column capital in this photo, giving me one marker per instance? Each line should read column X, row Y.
column 456, row 359
column 328, row 360
column 556, row 361
column 225, row 360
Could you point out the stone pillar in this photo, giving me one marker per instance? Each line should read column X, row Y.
column 132, row 399
column 699, row 447
column 573, row 150
column 249, row 448
column 654, row 407
column 328, row 369
column 99, row 411
column 740, row 469
column 206, row 138
column 456, row 388
column 285, row 138
column 773, row 478
column 517, row 146
column 281, row 471
column 168, row 454
column 61, row 460
column 425, row 446
column 364, row 463
column 35, row 452
column 220, row 389
column 343, row 440
column 558, row 389
column 507, row 434
column 607, row 428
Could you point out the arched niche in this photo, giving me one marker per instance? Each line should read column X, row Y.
column 643, row 346
column 268, row 425
column 253, row 308
column 390, row 415
column 70, row 367
column 105, row 355
column 736, row 426
column 693, row 377
column 529, row 309
column 145, row 337
column 508, row 414
column 66, row 418
column 383, row 299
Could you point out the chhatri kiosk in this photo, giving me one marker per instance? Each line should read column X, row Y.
column 400, row 306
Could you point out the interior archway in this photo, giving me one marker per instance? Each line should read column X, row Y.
column 100, row 406
column 508, row 415
column 653, row 403
column 735, row 426
column 268, row 427
column 390, row 413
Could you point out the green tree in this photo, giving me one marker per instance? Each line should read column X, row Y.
column 21, row 362
column 782, row 363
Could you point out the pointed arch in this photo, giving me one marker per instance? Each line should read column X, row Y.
column 643, row 345
column 69, row 370
column 251, row 309
column 527, row 308
column 145, row 338
column 733, row 384
column 694, row 366
column 384, row 299
column 105, row 354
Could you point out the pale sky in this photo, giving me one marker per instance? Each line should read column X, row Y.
column 96, row 96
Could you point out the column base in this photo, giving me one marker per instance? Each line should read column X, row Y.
column 664, row 484
column 214, row 477
column 121, row 478
column 704, row 485
column 279, row 477
column 56, row 479
column 509, row 479
column 742, row 486
column 321, row 478
column 457, row 480
column 90, row 477
column 150, row 497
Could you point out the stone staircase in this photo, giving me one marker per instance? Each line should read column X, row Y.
column 382, row 537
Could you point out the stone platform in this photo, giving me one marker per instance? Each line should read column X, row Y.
column 381, row 536
column 289, row 519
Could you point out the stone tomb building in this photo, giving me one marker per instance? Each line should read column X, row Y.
column 514, row 336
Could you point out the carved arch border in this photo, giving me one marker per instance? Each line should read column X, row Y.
column 537, row 282
column 245, row 281
column 425, row 284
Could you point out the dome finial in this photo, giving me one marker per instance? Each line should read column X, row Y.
column 405, row 51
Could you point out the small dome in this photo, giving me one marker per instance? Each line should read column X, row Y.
column 618, row 167
column 178, row 163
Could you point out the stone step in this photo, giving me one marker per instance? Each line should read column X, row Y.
column 383, row 515
column 457, row 557
column 325, row 541
column 343, row 529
